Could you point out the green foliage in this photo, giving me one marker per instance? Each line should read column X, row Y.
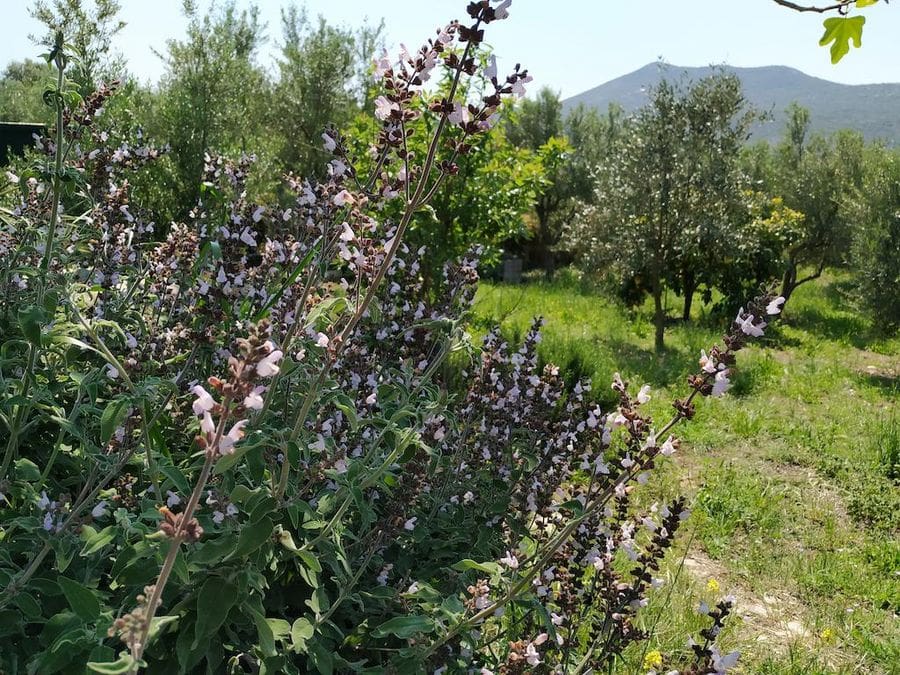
column 213, row 97
column 21, row 87
column 569, row 149
column 319, row 69
column 669, row 194
column 840, row 31
column 875, row 252
column 810, row 179
column 497, row 185
column 89, row 27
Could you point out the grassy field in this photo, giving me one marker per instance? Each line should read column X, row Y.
column 794, row 476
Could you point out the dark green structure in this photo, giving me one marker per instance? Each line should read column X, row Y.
column 15, row 137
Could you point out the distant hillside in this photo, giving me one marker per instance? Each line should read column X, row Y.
column 873, row 109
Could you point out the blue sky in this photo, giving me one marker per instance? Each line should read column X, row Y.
column 570, row 45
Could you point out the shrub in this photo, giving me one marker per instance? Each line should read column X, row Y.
column 239, row 448
column 876, row 244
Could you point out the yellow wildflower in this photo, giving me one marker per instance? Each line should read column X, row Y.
column 828, row 635
column 653, row 660
column 712, row 586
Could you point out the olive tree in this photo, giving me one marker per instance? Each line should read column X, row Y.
column 666, row 196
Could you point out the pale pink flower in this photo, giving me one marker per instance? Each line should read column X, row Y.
column 490, row 72
column 707, row 364
column 501, row 11
column 668, row 448
column 343, row 197
column 775, row 306
column 207, row 426
column 721, row 383
column 510, row 561
column 459, row 115
column 328, row 143
column 382, row 65
column 268, row 366
column 204, row 400
column 226, row 443
column 748, row 327
column 518, row 87
column 384, row 108
column 531, row 655
column 247, row 238
column 254, row 400
column 644, row 394
column 99, row 511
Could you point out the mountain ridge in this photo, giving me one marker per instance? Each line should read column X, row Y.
column 871, row 109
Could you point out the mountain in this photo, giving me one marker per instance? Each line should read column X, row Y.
column 872, row 109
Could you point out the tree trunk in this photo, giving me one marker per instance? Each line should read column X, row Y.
column 789, row 282
column 549, row 263
column 659, row 317
column 690, row 286
column 545, row 242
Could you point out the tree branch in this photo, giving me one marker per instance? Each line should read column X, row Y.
column 839, row 6
column 815, row 275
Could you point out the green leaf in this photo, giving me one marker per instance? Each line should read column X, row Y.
column 51, row 300
column 865, row 3
column 252, row 537
column 266, row 638
column 214, row 601
column 10, row 622
column 573, row 505
column 97, row 540
column 30, row 320
column 280, row 628
column 81, row 599
column 301, row 631
column 404, row 626
column 27, row 470
column 310, row 560
column 112, row 418
column 214, row 550
column 240, row 493
column 322, row 659
column 488, row 568
column 160, row 622
column 125, row 664
column 318, row 601
column 30, row 607
column 174, row 474
column 841, row 30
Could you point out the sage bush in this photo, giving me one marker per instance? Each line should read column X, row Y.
column 255, row 442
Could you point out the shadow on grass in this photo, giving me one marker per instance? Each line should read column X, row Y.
column 658, row 370
column 837, row 326
column 827, row 313
column 886, row 382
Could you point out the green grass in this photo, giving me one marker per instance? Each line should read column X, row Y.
column 793, row 475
